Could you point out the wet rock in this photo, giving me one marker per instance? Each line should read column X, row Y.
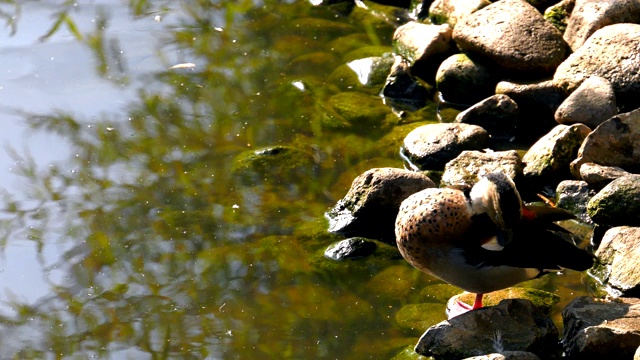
column 438, row 293
column 618, row 267
column 408, row 354
column 420, row 42
column 451, row 11
column 512, row 325
column 506, row 355
column 370, row 207
column 598, row 176
column 618, row 203
column 416, row 318
column 497, row 114
column 356, row 111
column 611, row 53
column 430, row 147
column 467, row 168
column 573, row 196
column 558, row 14
column 393, row 283
column 273, row 165
column 352, row 248
column 614, row 143
column 537, row 102
column 549, row 157
column 403, row 92
column 381, row 20
column 591, row 15
column 463, row 81
column 514, row 36
column 601, row 330
column 593, row 102
column 366, row 72
column 542, row 299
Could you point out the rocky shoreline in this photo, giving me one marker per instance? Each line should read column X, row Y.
column 563, row 78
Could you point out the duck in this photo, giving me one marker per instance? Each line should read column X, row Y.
column 483, row 238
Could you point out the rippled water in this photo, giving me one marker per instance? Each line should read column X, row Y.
column 132, row 227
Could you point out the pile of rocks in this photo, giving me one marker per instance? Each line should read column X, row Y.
column 565, row 73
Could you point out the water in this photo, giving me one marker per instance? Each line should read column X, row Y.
column 132, row 228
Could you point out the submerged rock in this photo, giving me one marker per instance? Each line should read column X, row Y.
column 619, row 261
column 402, row 91
column 416, row 318
column 370, row 207
column 514, row 36
column 352, row 248
column 430, row 147
column 273, row 165
column 512, row 325
column 618, row 203
column 601, row 330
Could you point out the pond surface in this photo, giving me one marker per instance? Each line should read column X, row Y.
column 167, row 166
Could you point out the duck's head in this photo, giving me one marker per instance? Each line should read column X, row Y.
column 496, row 195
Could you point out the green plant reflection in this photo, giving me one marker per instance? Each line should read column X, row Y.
column 194, row 225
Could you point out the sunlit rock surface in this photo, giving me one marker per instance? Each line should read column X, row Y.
column 598, row 176
column 550, row 156
column 430, row 147
column 618, row 203
column 611, row 53
column 615, row 142
column 619, row 261
column 593, row 102
column 573, row 196
column 467, row 168
column 370, row 207
column 512, row 325
column 512, row 35
column 598, row 329
column 498, row 114
column 463, row 81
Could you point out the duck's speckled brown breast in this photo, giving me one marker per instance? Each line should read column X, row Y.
column 428, row 223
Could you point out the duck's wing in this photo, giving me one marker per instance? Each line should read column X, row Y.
column 530, row 245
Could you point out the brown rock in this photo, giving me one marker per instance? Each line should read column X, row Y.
column 512, row 35
column 370, row 207
column 601, row 330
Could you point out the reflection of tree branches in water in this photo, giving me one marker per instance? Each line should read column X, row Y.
column 167, row 252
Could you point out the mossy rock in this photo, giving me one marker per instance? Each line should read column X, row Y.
column 409, row 354
column 394, row 283
column 417, row 318
column 368, row 51
column 272, row 165
column 438, row 293
column 362, row 112
column 618, row 203
column 347, row 43
column 540, row 298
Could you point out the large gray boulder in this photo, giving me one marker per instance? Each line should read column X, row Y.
column 512, row 35
column 612, row 53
